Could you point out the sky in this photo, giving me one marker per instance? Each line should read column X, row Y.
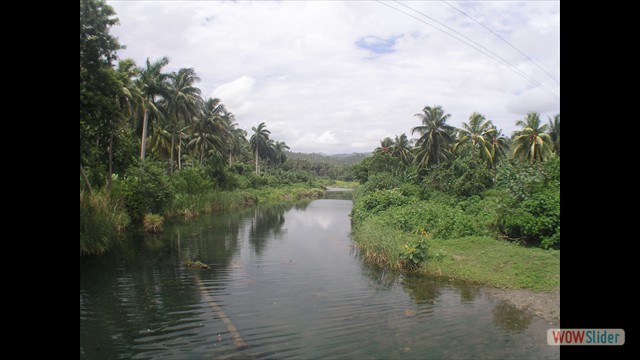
column 339, row 76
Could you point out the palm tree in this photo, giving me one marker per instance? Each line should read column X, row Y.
column 532, row 143
column 202, row 138
column 259, row 142
column 279, row 155
column 237, row 137
column 183, row 102
column 129, row 99
column 554, row 132
column 433, row 144
column 478, row 132
column 385, row 146
column 401, row 149
column 152, row 83
column 497, row 146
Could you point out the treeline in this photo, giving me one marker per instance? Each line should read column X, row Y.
column 470, row 181
column 337, row 167
column 151, row 146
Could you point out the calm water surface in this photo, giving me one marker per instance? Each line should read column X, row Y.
column 285, row 283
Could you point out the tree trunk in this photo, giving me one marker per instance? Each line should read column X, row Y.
column 171, row 161
column 143, row 146
column 201, row 154
column 180, row 152
column 110, row 151
column 84, row 177
column 257, row 166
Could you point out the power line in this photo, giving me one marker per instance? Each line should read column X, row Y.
column 511, row 66
column 503, row 39
column 490, row 53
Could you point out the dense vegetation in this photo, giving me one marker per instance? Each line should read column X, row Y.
column 151, row 147
column 453, row 186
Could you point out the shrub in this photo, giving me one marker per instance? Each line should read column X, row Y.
column 146, row 190
column 153, row 223
column 414, row 253
column 100, row 220
column 536, row 220
column 377, row 202
column 191, row 180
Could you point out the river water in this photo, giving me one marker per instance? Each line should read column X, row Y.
column 285, row 282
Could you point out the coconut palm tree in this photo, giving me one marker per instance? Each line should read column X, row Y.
column 259, row 142
column 182, row 104
column 401, row 149
column 152, row 83
column 435, row 136
column 532, row 143
column 554, row 132
column 385, row 146
column 498, row 147
column 478, row 132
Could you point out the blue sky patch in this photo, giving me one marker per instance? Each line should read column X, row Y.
column 377, row 44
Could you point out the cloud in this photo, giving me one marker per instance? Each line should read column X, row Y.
column 337, row 76
column 236, row 94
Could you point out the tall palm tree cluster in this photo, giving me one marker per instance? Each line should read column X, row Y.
column 177, row 122
column 439, row 141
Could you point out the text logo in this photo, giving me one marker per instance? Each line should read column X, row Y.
column 585, row 336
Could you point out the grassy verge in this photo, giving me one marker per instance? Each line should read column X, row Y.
column 190, row 205
column 483, row 260
column 494, row 262
column 341, row 184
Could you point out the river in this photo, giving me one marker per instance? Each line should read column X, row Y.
column 285, row 282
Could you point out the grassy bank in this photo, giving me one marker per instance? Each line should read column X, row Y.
column 190, row 205
column 103, row 218
column 341, row 184
column 477, row 259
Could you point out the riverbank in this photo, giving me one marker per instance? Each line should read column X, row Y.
column 104, row 218
column 476, row 259
column 190, row 205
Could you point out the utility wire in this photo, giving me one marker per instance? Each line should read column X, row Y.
column 503, row 39
column 486, row 51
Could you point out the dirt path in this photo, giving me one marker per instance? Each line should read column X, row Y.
column 544, row 304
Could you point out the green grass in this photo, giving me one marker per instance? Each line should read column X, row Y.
column 341, row 184
column 190, row 205
column 482, row 260
column 494, row 262
column 381, row 244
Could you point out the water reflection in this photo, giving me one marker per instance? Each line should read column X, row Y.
column 422, row 290
column 510, row 318
column 266, row 224
column 292, row 287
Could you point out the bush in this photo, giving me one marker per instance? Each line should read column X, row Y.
column 146, row 190
column 153, row 223
column 465, row 176
column 377, row 202
column 536, row 220
column 191, row 180
column 100, row 221
column 440, row 220
column 414, row 253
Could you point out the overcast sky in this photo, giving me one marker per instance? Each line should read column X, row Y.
column 338, row 76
